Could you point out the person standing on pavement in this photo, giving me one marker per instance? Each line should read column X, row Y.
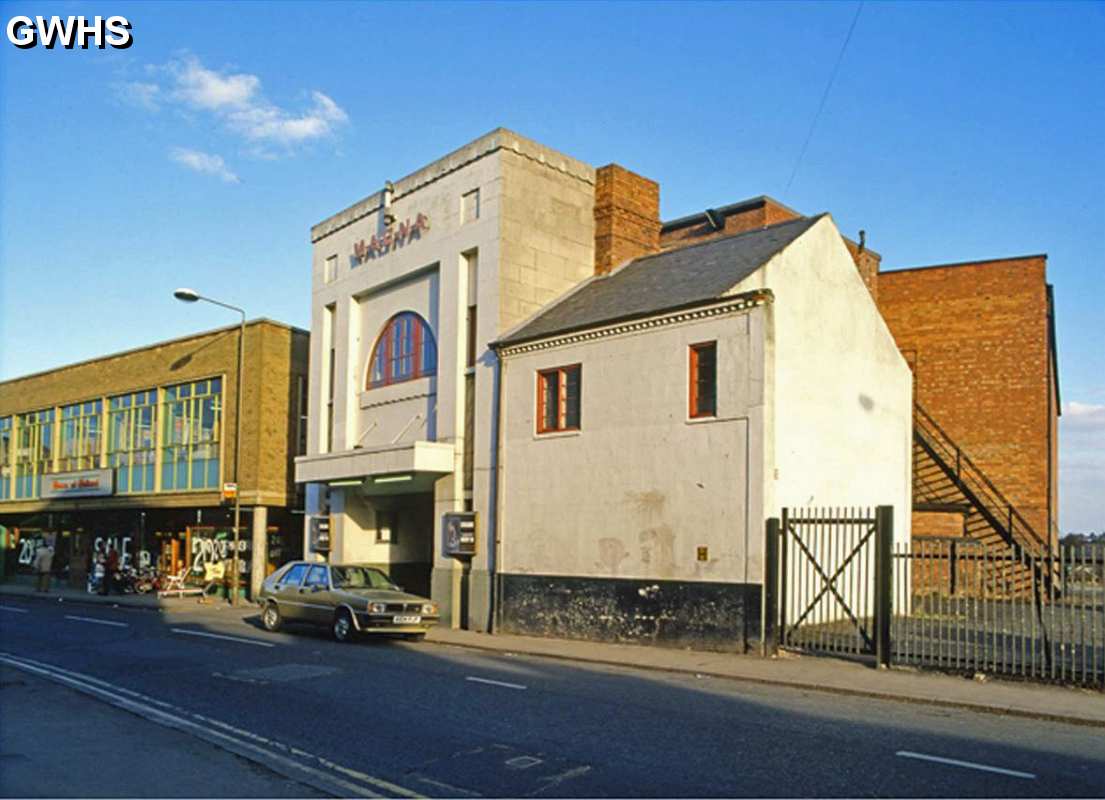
column 44, row 560
column 111, row 565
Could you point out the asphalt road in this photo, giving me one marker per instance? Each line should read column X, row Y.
column 384, row 718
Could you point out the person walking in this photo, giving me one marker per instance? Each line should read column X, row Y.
column 111, row 566
column 44, row 560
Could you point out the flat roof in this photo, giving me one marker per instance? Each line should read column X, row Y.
column 726, row 210
column 154, row 345
column 952, row 264
column 481, row 146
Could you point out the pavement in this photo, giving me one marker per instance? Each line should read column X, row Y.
column 56, row 742
column 988, row 694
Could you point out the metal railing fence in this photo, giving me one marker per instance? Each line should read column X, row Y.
column 972, row 607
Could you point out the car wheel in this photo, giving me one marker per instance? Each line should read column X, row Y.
column 342, row 627
column 271, row 618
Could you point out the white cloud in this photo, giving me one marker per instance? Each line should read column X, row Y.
column 272, row 124
column 236, row 101
column 1082, row 466
column 206, row 89
column 205, row 163
column 1084, row 414
column 143, row 95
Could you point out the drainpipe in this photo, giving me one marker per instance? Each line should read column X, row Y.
column 493, row 501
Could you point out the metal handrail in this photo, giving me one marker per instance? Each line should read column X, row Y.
column 923, row 421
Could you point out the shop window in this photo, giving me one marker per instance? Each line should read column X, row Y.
column 131, row 446
column 703, row 380
column 79, row 433
column 558, row 399
column 405, row 350
column 5, row 458
column 34, row 451
column 191, row 433
column 387, row 527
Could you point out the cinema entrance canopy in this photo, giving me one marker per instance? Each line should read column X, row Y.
column 407, row 468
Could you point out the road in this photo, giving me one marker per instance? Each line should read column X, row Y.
column 399, row 719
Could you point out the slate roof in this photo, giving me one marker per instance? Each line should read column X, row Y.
column 654, row 283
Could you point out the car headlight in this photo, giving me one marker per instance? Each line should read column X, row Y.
column 429, row 609
column 377, row 608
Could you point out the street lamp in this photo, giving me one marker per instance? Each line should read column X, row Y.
column 191, row 296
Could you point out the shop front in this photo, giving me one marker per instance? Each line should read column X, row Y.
column 151, row 541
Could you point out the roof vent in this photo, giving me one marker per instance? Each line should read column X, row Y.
column 715, row 219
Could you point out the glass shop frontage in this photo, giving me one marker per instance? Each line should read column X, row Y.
column 151, row 543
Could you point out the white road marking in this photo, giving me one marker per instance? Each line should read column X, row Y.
column 104, row 684
column 495, row 683
column 555, row 780
column 450, row 790
column 87, row 684
column 13, row 608
column 98, row 621
column 968, row 764
column 218, row 636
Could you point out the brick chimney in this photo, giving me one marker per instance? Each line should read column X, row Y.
column 627, row 217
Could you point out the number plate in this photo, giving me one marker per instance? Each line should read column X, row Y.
column 406, row 619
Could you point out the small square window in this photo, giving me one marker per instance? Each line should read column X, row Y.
column 470, row 206
column 703, row 380
column 330, row 270
column 559, row 394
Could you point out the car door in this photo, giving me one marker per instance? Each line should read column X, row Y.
column 287, row 593
column 315, row 595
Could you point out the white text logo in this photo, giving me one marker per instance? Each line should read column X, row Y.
column 70, row 32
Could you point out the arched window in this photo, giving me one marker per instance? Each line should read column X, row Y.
column 404, row 351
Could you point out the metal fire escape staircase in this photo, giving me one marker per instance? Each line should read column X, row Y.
column 946, row 479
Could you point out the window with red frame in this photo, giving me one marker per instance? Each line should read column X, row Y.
column 558, row 399
column 404, row 351
column 703, row 380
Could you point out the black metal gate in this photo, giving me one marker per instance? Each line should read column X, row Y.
column 828, row 586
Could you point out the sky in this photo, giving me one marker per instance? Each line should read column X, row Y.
column 201, row 155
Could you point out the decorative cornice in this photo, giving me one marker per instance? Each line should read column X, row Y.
column 726, row 307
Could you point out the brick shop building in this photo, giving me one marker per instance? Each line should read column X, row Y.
column 133, row 450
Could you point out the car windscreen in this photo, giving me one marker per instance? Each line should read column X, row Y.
column 359, row 578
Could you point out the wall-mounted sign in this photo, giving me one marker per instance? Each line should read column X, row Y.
column 320, row 534
column 230, row 492
column 395, row 235
column 458, row 532
column 86, row 483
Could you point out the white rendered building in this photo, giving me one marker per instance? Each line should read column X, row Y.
column 501, row 333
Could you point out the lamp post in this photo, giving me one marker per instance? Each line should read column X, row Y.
column 191, row 296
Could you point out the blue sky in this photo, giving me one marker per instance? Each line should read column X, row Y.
column 202, row 155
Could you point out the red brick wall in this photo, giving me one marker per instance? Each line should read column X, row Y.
column 867, row 262
column 761, row 214
column 757, row 215
column 976, row 336
column 627, row 217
